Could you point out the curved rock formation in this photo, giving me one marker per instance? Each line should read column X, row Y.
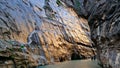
column 38, row 32
column 104, row 19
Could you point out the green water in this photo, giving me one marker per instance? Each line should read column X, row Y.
column 74, row 64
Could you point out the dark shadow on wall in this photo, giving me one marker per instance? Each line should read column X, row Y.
column 75, row 56
column 3, row 59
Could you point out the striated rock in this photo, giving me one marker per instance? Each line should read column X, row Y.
column 40, row 32
column 104, row 19
column 107, row 32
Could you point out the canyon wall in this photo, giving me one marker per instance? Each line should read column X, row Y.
column 104, row 19
column 38, row 32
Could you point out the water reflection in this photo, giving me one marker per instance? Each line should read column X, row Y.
column 74, row 64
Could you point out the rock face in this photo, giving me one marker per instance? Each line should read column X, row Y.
column 104, row 19
column 39, row 32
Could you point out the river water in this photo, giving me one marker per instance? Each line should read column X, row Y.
column 74, row 64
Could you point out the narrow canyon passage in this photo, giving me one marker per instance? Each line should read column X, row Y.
column 41, row 32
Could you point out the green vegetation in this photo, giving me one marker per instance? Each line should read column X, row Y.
column 22, row 46
column 77, row 4
column 46, row 0
column 59, row 2
column 12, row 56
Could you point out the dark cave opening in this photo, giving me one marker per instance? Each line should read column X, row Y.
column 61, row 59
column 75, row 56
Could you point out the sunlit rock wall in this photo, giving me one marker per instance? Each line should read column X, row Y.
column 42, row 32
column 104, row 19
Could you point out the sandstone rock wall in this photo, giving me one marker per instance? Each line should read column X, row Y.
column 42, row 32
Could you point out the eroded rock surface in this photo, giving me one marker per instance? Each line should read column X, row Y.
column 104, row 20
column 39, row 32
